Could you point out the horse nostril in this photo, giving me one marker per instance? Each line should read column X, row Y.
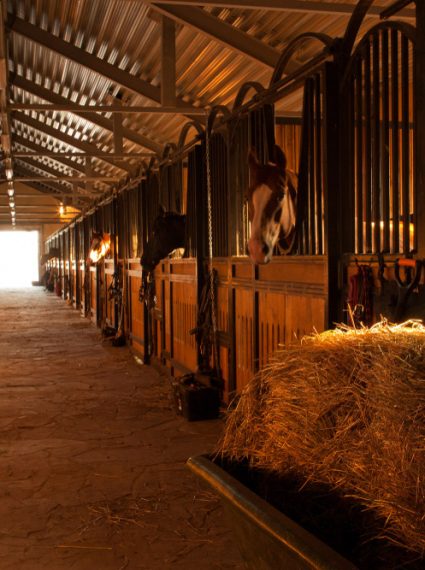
column 265, row 249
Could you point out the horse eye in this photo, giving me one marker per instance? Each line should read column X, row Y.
column 278, row 215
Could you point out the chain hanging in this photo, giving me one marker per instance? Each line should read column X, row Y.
column 210, row 249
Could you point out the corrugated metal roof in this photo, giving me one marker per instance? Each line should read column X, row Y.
column 127, row 34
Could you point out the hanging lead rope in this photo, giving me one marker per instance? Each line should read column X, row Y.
column 210, row 250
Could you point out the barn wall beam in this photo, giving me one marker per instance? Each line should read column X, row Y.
column 89, row 61
column 300, row 6
column 63, row 137
column 103, row 122
column 202, row 21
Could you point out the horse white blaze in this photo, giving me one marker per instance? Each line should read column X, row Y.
column 261, row 235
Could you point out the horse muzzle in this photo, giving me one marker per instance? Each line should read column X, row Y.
column 259, row 252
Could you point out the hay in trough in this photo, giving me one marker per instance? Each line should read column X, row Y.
column 346, row 408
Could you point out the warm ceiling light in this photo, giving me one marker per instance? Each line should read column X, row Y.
column 11, row 192
column 9, row 173
column 62, row 209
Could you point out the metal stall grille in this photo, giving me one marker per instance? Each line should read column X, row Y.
column 379, row 128
column 310, row 212
column 171, row 187
column 255, row 130
column 219, row 194
column 196, row 215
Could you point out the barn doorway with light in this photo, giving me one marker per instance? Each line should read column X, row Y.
column 20, row 252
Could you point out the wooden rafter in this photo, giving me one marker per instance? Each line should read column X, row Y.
column 103, row 122
column 202, row 21
column 297, row 6
column 64, row 138
column 88, row 60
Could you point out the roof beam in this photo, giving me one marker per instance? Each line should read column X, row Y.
column 300, row 6
column 86, row 59
column 63, row 137
column 84, row 109
column 53, row 189
column 102, row 122
column 30, row 178
column 226, row 34
column 168, row 61
column 40, row 151
column 62, row 155
column 39, row 166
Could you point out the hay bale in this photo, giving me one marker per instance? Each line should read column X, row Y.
column 346, row 408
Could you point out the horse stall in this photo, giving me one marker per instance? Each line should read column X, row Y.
column 346, row 122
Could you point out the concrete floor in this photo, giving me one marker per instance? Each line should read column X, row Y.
column 92, row 456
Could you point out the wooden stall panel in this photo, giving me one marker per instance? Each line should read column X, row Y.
column 137, row 320
column 244, row 313
column 271, row 321
column 74, row 283
column 157, row 315
column 109, row 302
column 166, row 316
column 93, row 294
column 303, row 316
column 184, row 319
column 223, row 309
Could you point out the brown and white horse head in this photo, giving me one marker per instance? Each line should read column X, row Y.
column 100, row 245
column 271, row 204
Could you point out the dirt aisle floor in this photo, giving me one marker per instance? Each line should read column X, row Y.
column 92, row 473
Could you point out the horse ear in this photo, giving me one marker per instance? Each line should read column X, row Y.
column 252, row 159
column 280, row 157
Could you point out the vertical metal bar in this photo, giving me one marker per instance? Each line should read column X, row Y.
column 368, row 151
column 395, row 141
column 385, row 144
column 419, row 126
column 309, row 168
column 376, row 171
column 349, row 213
column 317, row 202
column 304, row 171
column 405, row 176
column 359, row 157
column 333, row 199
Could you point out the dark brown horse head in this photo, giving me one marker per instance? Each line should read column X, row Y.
column 271, row 203
column 167, row 234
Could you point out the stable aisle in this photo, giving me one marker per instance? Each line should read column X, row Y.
column 92, row 473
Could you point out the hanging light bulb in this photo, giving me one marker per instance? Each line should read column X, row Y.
column 62, row 209
column 11, row 191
